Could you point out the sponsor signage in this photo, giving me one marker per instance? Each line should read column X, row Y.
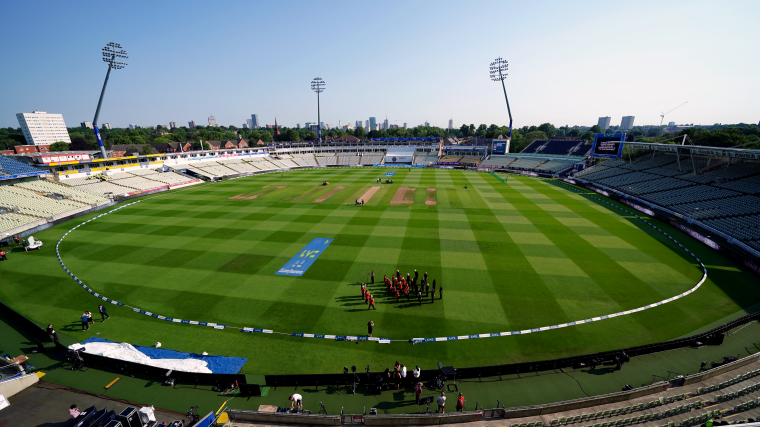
column 298, row 265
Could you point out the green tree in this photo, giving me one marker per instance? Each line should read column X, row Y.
column 596, row 129
column 161, row 140
column 146, row 149
column 266, row 137
column 548, row 129
column 291, row 135
column 360, row 132
column 464, row 131
column 59, row 146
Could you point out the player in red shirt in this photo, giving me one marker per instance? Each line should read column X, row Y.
column 460, row 403
column 371, row 302
column 397, row 295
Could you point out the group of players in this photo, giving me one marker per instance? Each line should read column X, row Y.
column 399, row 287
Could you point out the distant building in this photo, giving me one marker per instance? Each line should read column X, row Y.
column 41, row 128
column 372, row 123
column 255, row 121
column 86, row 125
column 404, row 125
column 105, row 126
column 211, row 121
column 671, row 124
column 627, row 123
column 385, row 124
column 604, row 122
column 366, row 125
column 298, row 126
column 172, row 125
column 245, row 126
column 427, row 124
column 132, row 126
column 358, row 124
column 313, row 127
column 394, row 126
column 451, row 124
column 191, row 124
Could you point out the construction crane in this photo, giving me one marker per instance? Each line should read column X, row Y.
column 662, row 116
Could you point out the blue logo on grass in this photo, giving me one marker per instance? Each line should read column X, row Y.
column 390, row 174
column 298, row 265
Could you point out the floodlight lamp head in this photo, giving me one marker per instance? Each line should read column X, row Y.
column 111, row 52
column 498, row 69
column 318, row 85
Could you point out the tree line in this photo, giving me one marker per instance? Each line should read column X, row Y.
column 718, row 135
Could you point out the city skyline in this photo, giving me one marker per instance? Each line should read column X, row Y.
column 566, row 74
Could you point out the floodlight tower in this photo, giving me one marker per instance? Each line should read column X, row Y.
column 318, row 86
column 498, row 71
column 111, row 52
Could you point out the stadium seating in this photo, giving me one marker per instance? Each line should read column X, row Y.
column 719, row 194
column 449, row 159
column 499, row 161
column 348, row 160
column 372, row 159
column 29, row 203
column 425, row 159
column 9, row 166
column 326, row 159
column 48, row 186
column 135, row 182
column 10, row 221
column 470, row 160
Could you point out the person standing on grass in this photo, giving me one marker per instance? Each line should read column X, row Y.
column 103, row 314
column 85, row 322
column 416, row 274
column 432, row 297
column 373, row 277
column 416, row 373
column 418, row 392
column 53, row 336
column 419, row 297
column 427, row 288
column 398, row 295
column 89, row 318
column 370, row 325
column 433, row 285
column 371, row 303
column 2, row 256
column 17, row 240
column 442, row 403
column 403, row 375
column 440, row 292
column 460, row 403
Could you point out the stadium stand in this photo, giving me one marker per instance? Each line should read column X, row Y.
column 305, row 160
column 169, row 178
column 425, row 159
column 104, row 187
column 348, row 160
column 29, row 203
column 372, row 159
column 718, row 193
column 9, row 166
column 326, row 159
column 499, row 161
column 135, row 182
column 9, row 221
column 48, row 186
column 470, row 160
column 449, row 159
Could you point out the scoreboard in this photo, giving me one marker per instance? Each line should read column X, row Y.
column 608, row 145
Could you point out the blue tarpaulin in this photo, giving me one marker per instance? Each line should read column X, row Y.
column 217, row 364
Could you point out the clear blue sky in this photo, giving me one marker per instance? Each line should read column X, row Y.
column 570, row 62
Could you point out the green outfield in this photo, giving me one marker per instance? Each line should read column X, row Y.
column 511, row 255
